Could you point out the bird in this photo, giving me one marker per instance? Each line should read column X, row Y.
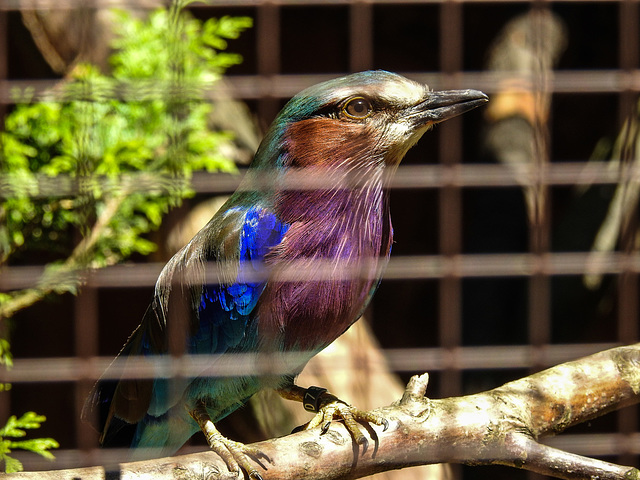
column 296, row 267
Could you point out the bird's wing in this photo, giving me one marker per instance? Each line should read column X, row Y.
column 226, row 308
column 217, row 309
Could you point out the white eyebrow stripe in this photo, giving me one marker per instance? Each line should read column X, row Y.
column 399, row 91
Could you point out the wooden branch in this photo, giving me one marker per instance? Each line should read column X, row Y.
column 500, row 426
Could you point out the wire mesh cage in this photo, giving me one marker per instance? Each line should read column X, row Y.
column 515, row 226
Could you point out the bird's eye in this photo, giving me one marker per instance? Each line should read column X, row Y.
column 357, row 108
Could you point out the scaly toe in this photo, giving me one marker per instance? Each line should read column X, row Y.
column 241, row 454
column 331, row 407
column 235, row 454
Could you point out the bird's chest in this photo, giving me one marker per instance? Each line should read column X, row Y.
column 330, row 269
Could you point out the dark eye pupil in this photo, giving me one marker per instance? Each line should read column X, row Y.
column 358, row 108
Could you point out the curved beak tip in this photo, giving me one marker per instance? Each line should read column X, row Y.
column 442, row 105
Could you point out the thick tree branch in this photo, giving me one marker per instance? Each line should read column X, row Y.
column 499, row 426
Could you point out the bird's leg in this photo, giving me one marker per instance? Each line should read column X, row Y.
column 235, row 454
column 327, row 406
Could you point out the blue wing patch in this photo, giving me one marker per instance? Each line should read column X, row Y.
column 225, row 309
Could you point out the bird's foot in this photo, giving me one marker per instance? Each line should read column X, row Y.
column 235, row 454
column 329, row 407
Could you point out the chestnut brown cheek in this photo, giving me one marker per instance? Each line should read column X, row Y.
column 325, row 142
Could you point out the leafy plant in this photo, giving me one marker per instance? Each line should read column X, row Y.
column 117, row 153
column 104, row 157
column 15, row 428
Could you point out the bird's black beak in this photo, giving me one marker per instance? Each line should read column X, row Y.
column 440, row 106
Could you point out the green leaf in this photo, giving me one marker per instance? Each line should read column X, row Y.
column 15, row 428
column 11, row 465
column 5, row 348
column 11, row 428
column 41, row 446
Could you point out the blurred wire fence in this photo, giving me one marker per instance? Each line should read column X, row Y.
column 538, row 146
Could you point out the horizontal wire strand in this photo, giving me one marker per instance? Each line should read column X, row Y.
column 414, row 267
column 250, row 87
column 504, row 357
column 406, row 177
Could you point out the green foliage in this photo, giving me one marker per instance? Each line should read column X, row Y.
column 15, row 428
column 6, row 359
column 143, row 51
column 148, row 115
column 103, row 158
column 5, row 353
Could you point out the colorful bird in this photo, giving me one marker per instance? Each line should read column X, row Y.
column 296, row 266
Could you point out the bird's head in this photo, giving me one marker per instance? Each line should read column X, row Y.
column 368, row 117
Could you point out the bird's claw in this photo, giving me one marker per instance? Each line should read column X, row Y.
column 385, row 424
column 331, row 407
column 236, row 455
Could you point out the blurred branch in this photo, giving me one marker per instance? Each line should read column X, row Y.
column 66, row 276
column 624, row 157
column 500, row 426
